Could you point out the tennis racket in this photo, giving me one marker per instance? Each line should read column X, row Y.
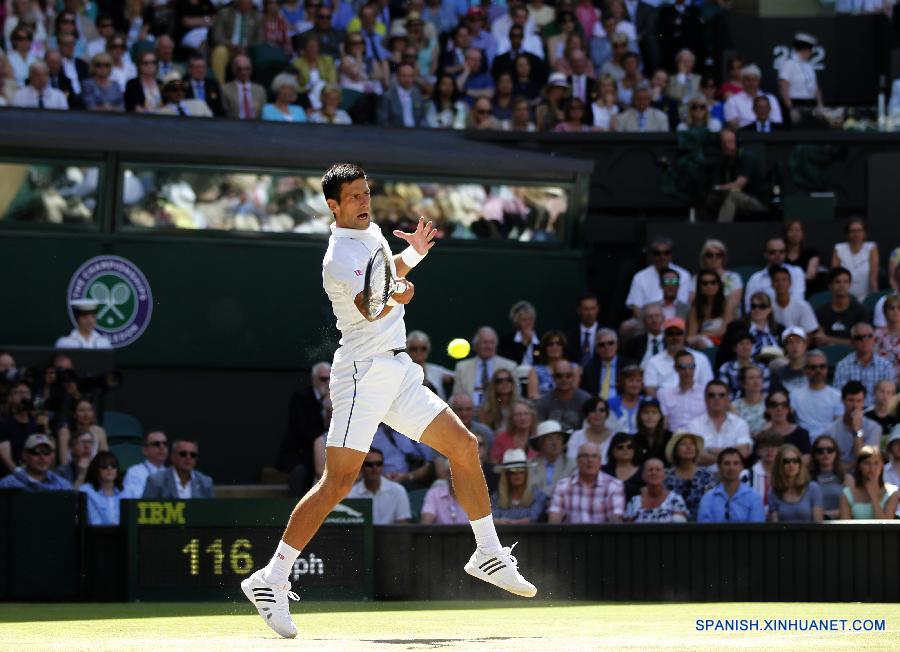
column 380, row 283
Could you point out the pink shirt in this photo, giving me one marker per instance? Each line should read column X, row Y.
column 446, row 509
column 588, row 503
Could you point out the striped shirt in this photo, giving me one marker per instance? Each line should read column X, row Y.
column 594, row 503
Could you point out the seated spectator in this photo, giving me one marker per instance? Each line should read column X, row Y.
column 501, row 394
column 652, row 435
column 595, row 429
column 472, row 375
column 794, row 496
column 326, row 26
column 527, row 75
column 306, row 422
column 480, row 116
column 659, row 81
column 123, row 68
column 462, row 406
column 418, row 346
column 552, row 346
column 573, row 117
column 892, row 452
column 565, row 401
column 827, row 470
column 646, row 285
column 315, row 69
column 730, row 372
column 762, row 114
column 284, row 109
column 517, row 501
column 503, row 98
column 38, row 94
column 760, row 323
column 21, row 55
column 887, row 338
column 602, row 47
column 17, row 422
column 390, row 502
column 522, row 346
column 841, row 312
column 199, row 87
column 605, row 107
column 522, row 425
column 441, row 507
column 730, row 501
column 852, row 431
column 869, row 497
column 407, row 462
column 720, row 428
column 709, row 313
column 670, row 284
column 142, row 93
column 580, row 72
column 550, row 465
column 685, row 83
column 84, row 420
column 402, row 105
column 549, row 112
column 103, row 486
column 631, row 81
column 624, row 405
column 646, row 345
column 740, row 185
column 101, row 92
column 698, row 116
column 76, row 469
column 475, row 19
column 237, row 27
column 683, row 402
column 710, row 90
column 781, row 422
column 798, row 254
column 601, row 373
column 556, row 43
column 759, row 476
column 739, row 107
column 57, row 76
column 242, row 97
column 641, row 117
column 732, row 85
column 660, row 369
column 474, row 82
column 859, row 257
column 879, row 319
column 863, row 365
column 520, row 117
column 275, row 28
column 787, row 309
column 581, row 340
column 684, row 476
column 792, row 376
column 613, row 66
column 622, row 464
column 816, row 405
column 606, row 495
column 761, row 281
column 182, row 480
column 156, row 452
column 750, row 406
column 884, row 409
column 331, row 111
column 654, row 503
column 174, row 102
column 35, row 475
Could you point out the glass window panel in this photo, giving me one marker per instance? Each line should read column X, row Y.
column 48, row 193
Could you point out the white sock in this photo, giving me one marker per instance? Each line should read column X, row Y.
column 281, row 564
column 486, row 534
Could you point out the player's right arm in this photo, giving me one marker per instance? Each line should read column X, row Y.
column 400, row 297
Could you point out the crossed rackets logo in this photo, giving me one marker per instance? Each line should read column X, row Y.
column 110, row 300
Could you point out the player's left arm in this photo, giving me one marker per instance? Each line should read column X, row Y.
column 420, row 241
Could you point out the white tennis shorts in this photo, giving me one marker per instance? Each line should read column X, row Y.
column 386, row 388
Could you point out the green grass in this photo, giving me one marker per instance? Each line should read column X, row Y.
column 491, row 626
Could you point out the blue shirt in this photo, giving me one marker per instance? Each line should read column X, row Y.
column 18, row 479
column 745, row 506
column 101, row 509
column 271, row 112
column 477, row 82
column 398, row 449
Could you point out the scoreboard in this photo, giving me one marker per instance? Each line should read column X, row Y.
column 202, row 549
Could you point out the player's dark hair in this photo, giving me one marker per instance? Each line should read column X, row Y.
column 337, row 175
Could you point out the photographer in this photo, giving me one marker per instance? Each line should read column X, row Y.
column 19, row 420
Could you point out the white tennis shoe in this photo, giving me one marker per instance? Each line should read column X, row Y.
column 500, row 569
column 271, row 600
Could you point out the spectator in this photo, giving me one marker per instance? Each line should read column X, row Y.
column 522, row 425
column 474, row 82
column 817, row 405
column 461, row 404
column 82, row 452
column 446, row 110
column 517, row 501
column 879, row 318
column 472, row 376
column 200, row 87
column 582, row 340
column 564, row 403
column 192, row 22
column 588, row 496
column 652, row 435
column 84, row 335
column 156, row 451
column 17, row 423
column 608, row 44
column 720, row 428
column 520, row 119
column 480, row 116
column 306, row 422
column 588, row 16
column 852, row 431
column 709, row 313
column 58, row 79
column 553, row 344
column 605, row 107
column 868, row 497
column 284, row 109
column 761, row 323
column 698, row 116
column 798, row 254
column 522, row 346
column 408, row 462
column 451, row 60
column 38, row 94
column 792, row 375
column 518, row 16
column 739, row 107
column 501, row 393
column 237, row 27
column 507, row 60
column 670, row 282
column 797, row 81
column 241, row 97
column 660, row 369
column 759, row 476
column 173, row 102
column 751, row 405
column 595, row 428
column 761, row 281
column 573, row 117
column 646, row 286
column 482, row 39
column 104, row 490
column 123, row 69
column 827, row 470
column 35, row 475
column 684, row 477
column 841, row 312
column 390, row 503
column 641, row 117
column 740, row 189
column 762, row 112
column 441, row 507
column 315, row 70
column 733, row 85
column 859, row 257
column 330, row 37
column 624, row 405
column 580, row 80
column 680, row 27
column 615, row 66
column 402, row 105
column 645, row 346
column 884, row 409
column 549, row 112
column 788, row 310
column 685, row 83
column 863, row 365
column 654, row 503
column 165, row 50
column 422, row 41
column 730, row 501
column 85, row 420
column 550, row 465
column 683, row 402
column 100, row 92
column 602, row 371
column 331, row 111
column 781, row 422
column 539, row 14
column 892, row 467
column 622, row 464
column 181, row 481
column 142, row 93
column 275, row 28
column 418, row 346
column 794, row 496
column 659, row 81
column 21, row 56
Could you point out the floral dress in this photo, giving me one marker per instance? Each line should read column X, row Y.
column 690, row 490
column 888, row 346
column 666, row 512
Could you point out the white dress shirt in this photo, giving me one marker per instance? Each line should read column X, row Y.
column 733, row 433
column 761, row 282
column 389, row 504
column 649, row 352
column 72, row 73
column 796, row 313
column 136, row 478
column 660, row 370
column 30, row 98
column 74, row 340
column 679, row 407
column 645, row 286
column 406, row 103
column 740, row 106
column 184, row 491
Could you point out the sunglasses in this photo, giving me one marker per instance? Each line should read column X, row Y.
column 158, row 444
column 101, row 65
column 662, row 252
column 689, row 365
column 191, row 454
column 565, row 375
column 149, row 62
column 698, row 107
column 107, row 465
column 115, row 46
column 777, row 404
column 324, row 16
column 373, row 465
column 606, row 343
column 671, row 281
column 672, row 332
column 716, row 395
column 759, row 306
column 355, row 42
column 824, row 450
column 790, row 460
column 816, row 367
column 43, row 451
column 323, row 379
column 861, row 338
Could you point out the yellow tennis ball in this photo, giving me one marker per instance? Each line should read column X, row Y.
column 458, row 348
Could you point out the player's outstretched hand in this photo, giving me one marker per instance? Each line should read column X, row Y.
column 407, row 295
column 422, row 239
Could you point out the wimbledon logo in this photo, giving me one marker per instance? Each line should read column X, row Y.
column 122, row 293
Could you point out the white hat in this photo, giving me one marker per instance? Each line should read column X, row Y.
column 84, row 305
column 514, row 458
column 558, row 79
column 792, row 330
column 806, row 39
column 751, row 69
column 38, row 439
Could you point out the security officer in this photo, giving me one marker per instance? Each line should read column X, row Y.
column 84, row 336
column 797, row 81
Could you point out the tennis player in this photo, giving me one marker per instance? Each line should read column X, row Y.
column 373, row 380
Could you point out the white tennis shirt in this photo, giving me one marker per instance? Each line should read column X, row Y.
column 343, row 277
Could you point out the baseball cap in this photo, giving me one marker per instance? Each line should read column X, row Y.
column 557, row 79
column 792, row 330
column 38, row 439
column 673, row 322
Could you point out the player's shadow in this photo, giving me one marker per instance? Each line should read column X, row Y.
column 445, row 642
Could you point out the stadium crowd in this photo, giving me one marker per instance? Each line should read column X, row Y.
column 722, row 398
column 566, row 66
